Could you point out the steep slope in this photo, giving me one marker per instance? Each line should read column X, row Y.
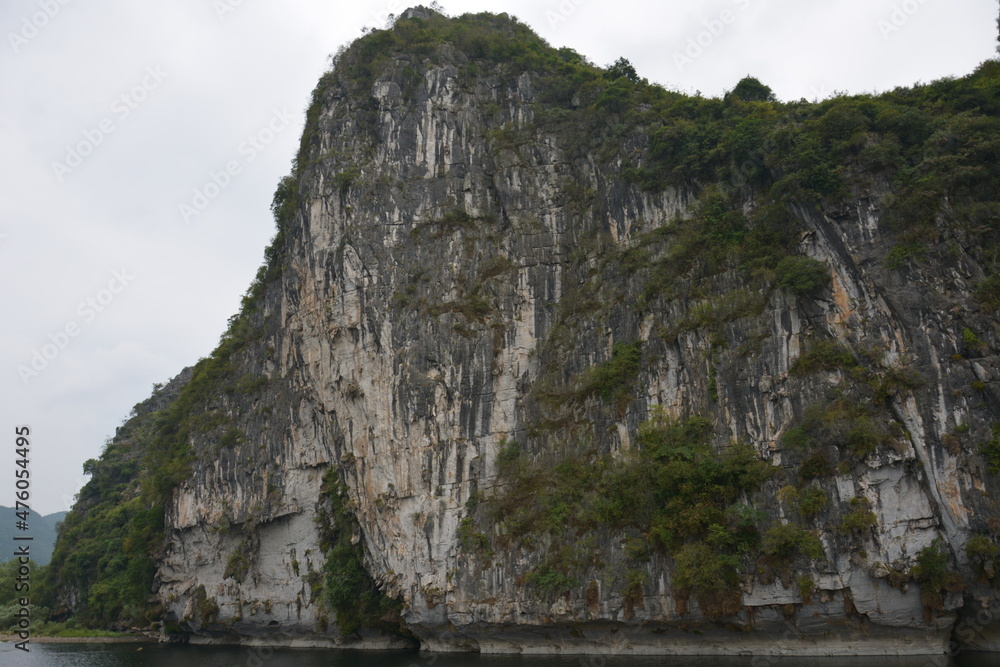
column 547, row 358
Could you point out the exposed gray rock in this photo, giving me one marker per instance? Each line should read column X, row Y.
column 382, row 367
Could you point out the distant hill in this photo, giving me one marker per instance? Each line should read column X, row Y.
column 42, row 528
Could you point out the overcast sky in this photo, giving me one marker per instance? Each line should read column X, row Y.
column 121, row 259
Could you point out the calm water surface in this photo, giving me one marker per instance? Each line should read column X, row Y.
column 154, row 655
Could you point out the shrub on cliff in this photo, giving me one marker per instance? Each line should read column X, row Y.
column 801, row 275
column 936, row 577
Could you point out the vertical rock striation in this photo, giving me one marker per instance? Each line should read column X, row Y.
column 465, row 266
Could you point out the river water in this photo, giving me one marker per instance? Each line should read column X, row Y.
column 155, row 655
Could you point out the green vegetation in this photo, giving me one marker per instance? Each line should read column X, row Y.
column 674, row 493
column 901, row 254
column 633, row 592
column 801, row 275
column 713, row 313
column 623, row 68
column 712, row 577
column 990, row 450
column 470, row 539
column 345, row 179
column 718, row 238
column 971, row 343
column 10, row 608
column 347, row 587
column 614, row 379
column 750, row 89
column 823, row 355
column 816, row 466
column 452, row 221
column 796, row 438
column 806, row 586
column 789, row 498
column 550, row 580
column 71, row 631
column 982, row 553
column 812, row 502
column 854, row 421
column 988, row 292
column 472, row 307
column 807, row 502
column 781, row 544
column 9, row 598
column 238, row 564
column 854, row 427
column 932, row 139
column 206, row 607
column 935, row 575
column 106, row 543
column 232, row 437
column 860, row 519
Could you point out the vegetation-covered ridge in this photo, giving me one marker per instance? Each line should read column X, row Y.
column 103, row 564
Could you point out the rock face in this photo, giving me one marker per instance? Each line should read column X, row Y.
column 454, row 261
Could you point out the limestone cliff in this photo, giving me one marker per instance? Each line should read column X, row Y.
column 510, row 291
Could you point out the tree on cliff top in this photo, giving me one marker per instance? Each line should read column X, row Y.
column 750, row 89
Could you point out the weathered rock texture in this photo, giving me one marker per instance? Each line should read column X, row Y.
column 456, row 257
